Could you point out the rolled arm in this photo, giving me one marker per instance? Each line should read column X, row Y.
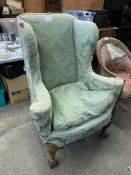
column 42, row 111
column 43, row 100
column 97, row 82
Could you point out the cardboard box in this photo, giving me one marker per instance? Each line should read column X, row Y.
column 17, row 89
column 19, row 96
column 16, row 84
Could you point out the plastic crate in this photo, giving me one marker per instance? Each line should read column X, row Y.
column 81, row 15
column 3, row 100
column 102, row 18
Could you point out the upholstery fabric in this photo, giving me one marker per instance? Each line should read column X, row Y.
column 120, row 63
column 121, row 67
column 115, row 52
column 58, row 51
column 55, row 54
column 84, row 105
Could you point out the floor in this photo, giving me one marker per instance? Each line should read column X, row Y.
column 22, row 153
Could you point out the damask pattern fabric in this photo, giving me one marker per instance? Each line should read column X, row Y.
column 58, row 60
column 84, row 105
column 56, row 47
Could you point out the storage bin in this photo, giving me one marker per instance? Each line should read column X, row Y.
column 81, row 15
column 3, row 100
column 102, row 18
column 12, row 70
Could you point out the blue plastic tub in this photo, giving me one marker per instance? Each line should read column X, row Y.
column 2, row 94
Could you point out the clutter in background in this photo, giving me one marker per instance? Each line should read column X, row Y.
column 12, row 7
column 102, row 18
column 13, row 73
column 6, row 11
column 11, row 64
column 15, row 82
column 9, row 26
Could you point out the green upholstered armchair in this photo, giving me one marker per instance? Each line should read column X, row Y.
column 68, row 100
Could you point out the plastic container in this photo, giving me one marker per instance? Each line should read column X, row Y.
column 3, row 100
column 81, row 14
column 87, row 16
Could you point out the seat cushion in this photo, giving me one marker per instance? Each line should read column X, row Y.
column 74, row 104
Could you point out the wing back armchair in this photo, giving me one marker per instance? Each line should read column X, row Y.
column 68, row 100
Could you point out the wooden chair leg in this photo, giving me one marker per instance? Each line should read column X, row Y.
column 52, row 151
column 104, row 133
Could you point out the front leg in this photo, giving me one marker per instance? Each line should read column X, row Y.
column 52, row 151
column 104, row 133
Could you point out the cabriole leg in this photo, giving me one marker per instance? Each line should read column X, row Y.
column 52, row 151
column 104, row 133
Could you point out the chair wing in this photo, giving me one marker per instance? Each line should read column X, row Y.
column 86, row 37
column 40, row 97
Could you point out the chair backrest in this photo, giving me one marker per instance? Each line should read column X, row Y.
column 56, row 47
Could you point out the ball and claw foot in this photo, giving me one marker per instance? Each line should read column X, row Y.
column 53, row 163
column 52, row 151
column 104, row 135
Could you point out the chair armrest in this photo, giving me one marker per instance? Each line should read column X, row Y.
column 43, row 100
column 42, row 111
column 100, row 83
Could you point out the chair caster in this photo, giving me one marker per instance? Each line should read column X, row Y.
column 53, row 163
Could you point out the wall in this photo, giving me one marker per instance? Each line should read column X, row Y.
column 34, row 5
column 39, row 5
column 82, row 4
